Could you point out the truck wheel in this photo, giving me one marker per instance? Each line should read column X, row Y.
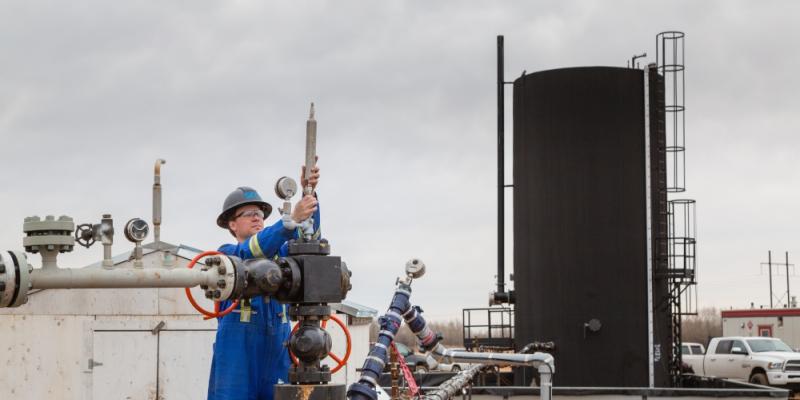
column 759, row 378
column 421, row 368
column 456, row 368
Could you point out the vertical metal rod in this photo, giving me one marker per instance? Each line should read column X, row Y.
column 675, row 142
column 769, row 264
column 683, row 104
column 500, row 168
column 157, row 200
column 464, row 325
column 648, row 227
column 489, row 322
column 311, row 148
column 788, row 294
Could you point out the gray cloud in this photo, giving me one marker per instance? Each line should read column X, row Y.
column 93, row 92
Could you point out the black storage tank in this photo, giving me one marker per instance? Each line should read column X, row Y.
column 581, row 224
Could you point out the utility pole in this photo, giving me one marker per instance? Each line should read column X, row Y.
column 789, row 271
column 769, row 261
column 788, row 293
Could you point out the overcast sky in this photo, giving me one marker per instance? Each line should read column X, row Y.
column 91, row 93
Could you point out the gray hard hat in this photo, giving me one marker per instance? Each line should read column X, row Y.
column 242, row 196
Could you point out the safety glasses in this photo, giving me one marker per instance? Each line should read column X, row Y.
column 251, row 213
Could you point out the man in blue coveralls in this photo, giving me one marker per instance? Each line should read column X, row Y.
column 249, row 352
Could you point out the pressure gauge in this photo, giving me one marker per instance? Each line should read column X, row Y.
column 136, row 230
column 285, row 188
column 415, row 268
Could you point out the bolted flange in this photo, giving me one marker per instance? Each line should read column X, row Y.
column 50, row 234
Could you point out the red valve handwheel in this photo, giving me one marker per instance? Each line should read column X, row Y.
column 208, row 314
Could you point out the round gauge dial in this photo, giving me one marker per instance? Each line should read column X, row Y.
column 136, row 230
column 415, row 267
column 285, row 188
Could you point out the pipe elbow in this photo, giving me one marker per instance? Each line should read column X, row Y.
column 157, row 169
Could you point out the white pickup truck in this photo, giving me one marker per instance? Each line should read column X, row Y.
column 760, row 360
column 692, row 355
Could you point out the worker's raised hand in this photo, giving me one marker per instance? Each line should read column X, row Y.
column 304, row 208
column 311, row 180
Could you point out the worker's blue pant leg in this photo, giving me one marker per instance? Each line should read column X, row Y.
column 249, row 358
column 278, row 367
column 237, row 364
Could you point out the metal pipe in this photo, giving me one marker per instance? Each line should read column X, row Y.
column 453, row 385
column 96, row 277
column 545, row 381
column 500, row 168
column 442, row 354
column 311, row 147
column 49, row 258
column 107, row 260
column 157, row 200
column 543, row 362
column 106, row 233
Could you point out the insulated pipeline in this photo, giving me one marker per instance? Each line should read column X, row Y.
column 94, row 277
column 442, row 354
column 543, row 362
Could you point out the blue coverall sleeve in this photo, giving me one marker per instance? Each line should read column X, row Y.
column 265, row 243
column 317, row 233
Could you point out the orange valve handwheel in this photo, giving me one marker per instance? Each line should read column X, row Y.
column 340, row 362
column 208, row 314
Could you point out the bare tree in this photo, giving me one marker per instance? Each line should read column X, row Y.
column 702, row 327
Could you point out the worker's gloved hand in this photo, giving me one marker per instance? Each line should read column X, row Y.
column 312, row 180
column 304, row 208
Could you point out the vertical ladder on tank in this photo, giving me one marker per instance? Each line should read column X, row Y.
column 670, row 62
column 675, row 255
column 659, row 223
column 682, row 273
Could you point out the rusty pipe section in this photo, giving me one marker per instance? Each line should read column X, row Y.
column 453, row 386
column 157, row 200
column 104, row 278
